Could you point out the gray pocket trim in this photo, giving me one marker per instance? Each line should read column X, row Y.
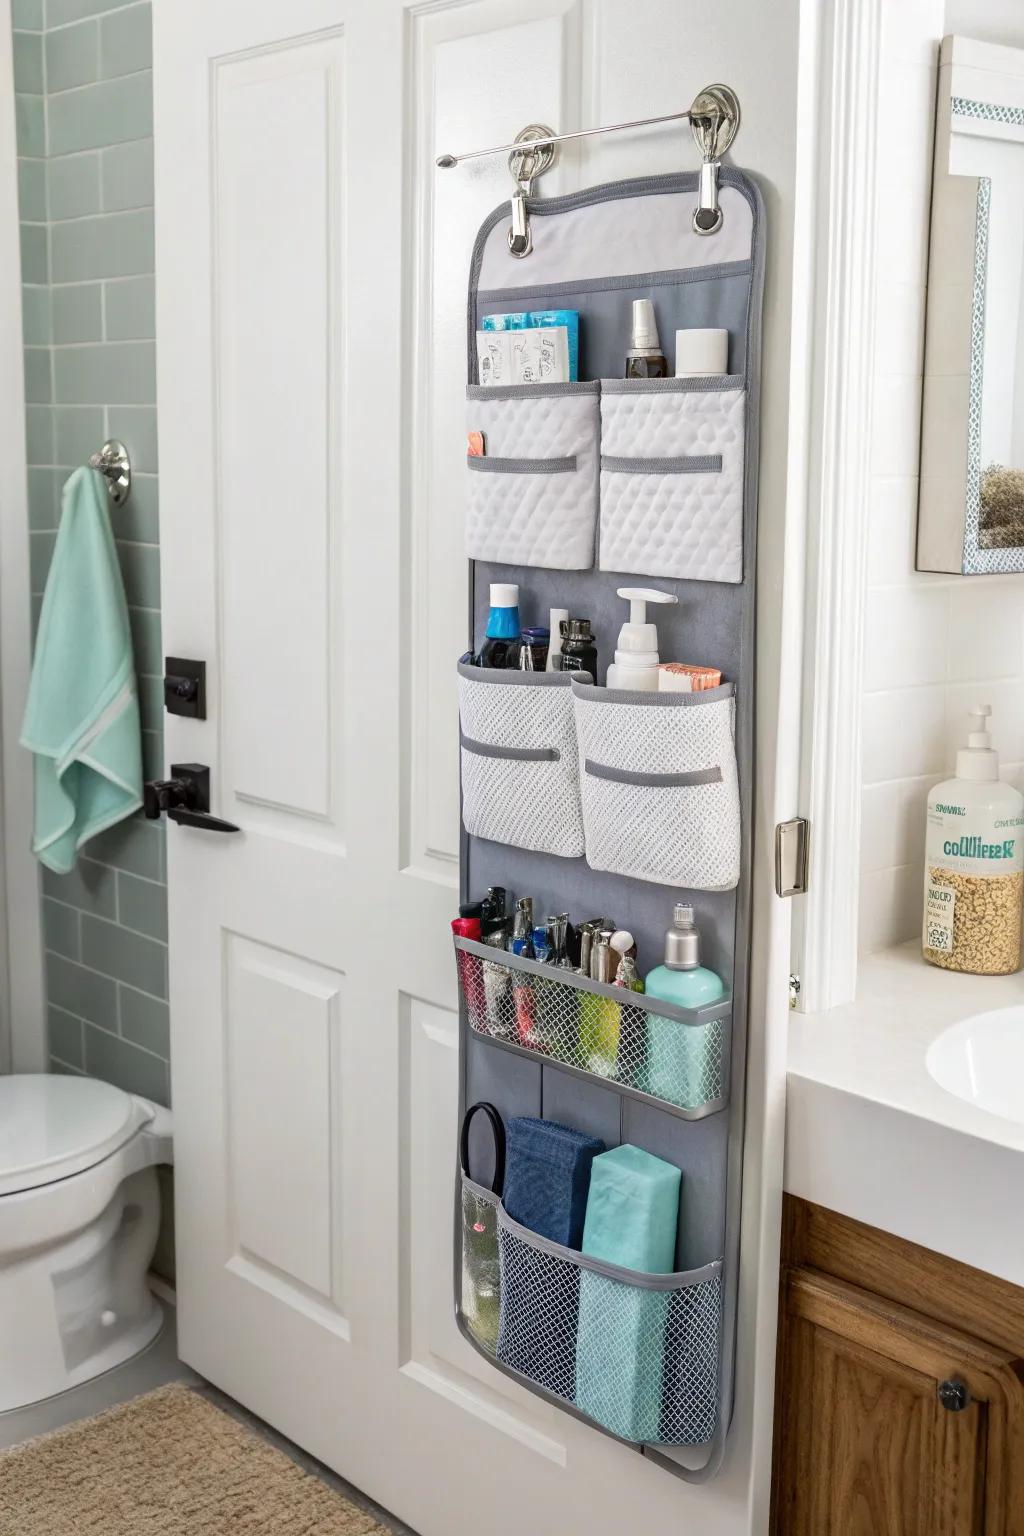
column 510, row 754
column 642, row 1280
column 689, row 464
column 712, row 273
column 589, row 691
column 512, row 678
column 697, row 384
column 491, row 465
column 532, row 391
column 688, row 780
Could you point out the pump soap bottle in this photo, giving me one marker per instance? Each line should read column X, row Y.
column 636, row 656
column 682, row 1064
column 974, row 863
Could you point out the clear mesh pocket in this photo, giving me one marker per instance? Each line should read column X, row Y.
column 520, row 768
column 659, row 785
column 637, row 1354
column 679, row 1056
column 481, row 1275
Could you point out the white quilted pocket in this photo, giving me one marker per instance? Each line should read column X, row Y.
column 532, row 497
column 659, row 785
column 520, row 766
column 672, row 477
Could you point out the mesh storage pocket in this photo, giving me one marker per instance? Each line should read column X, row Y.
column 678, row 1056
column 636, row 1353
column 481, row 1275
column 659, row 785
column 532, row 496
column 520, row 768
column 672, row 477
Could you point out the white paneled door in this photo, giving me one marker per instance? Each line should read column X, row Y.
column 311, row 269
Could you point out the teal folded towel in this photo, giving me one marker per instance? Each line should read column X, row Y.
column 632, row 1215
column 82, row 717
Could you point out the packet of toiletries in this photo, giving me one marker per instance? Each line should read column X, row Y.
column 514, row 322
column 542, row 319
column 494, row 357
column 682, row 677
column 540, row 356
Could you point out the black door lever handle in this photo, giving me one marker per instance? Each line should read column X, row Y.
column 185, row 797
column 201, row 819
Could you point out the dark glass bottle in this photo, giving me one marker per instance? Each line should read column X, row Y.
column 579, row 648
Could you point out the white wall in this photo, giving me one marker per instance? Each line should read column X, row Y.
column 934, row 644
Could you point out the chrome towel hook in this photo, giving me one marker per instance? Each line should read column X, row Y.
column 526, row 165
column 113, row 463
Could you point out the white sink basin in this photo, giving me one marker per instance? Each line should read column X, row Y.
column 981, row 1059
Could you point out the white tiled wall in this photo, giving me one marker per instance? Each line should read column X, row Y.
column 935, row 644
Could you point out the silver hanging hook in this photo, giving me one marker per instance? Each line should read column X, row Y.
column 526, row 165
column 114, row 465
column 714, row 123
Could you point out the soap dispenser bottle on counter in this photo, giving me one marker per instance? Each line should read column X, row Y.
column 974, row 863
column 636, row 656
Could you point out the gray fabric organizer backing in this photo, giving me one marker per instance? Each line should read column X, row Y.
column 639, row 233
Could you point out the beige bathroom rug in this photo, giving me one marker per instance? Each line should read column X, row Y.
column 167, row 1464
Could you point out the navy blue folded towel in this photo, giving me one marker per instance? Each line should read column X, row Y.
column 547, row 1177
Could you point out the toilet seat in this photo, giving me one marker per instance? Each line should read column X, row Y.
column 53, row 1127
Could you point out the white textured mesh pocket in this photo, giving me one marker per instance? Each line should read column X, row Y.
column 509, row 795
column 672, row 480
column 640, row 1359
column 659, row 786
column 532, row 499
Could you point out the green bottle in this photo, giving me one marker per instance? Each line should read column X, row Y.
column 600, row 1018
column 682, row 1067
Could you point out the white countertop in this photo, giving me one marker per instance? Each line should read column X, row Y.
column 870, row 1134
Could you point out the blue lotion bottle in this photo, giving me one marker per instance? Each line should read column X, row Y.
column 501, row 642
column 682, row 1067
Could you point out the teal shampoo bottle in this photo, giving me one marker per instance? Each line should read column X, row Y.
column 682, row 1061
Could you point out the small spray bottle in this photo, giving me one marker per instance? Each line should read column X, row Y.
column 645, row 359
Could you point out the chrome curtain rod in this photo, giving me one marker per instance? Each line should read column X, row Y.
column 714, row 119
column 448, row 162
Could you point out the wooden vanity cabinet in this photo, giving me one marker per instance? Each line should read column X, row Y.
column 900, row 1388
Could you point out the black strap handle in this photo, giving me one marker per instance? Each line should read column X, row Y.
column 498, row 1132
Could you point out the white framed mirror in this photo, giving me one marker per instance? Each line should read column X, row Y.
column 971, row 507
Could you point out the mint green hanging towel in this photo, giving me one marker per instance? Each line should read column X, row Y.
column 82, row 717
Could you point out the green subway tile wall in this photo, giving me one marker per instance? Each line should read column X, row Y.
column 84, row 110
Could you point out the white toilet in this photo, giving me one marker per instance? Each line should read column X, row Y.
column 79, row 1213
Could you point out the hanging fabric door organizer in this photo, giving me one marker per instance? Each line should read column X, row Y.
column 601, row 800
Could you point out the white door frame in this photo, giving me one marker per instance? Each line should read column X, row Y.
column 22, row 1006
column 840, row 370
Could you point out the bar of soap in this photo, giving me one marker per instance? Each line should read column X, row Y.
column 633, row 1210
column 684, row 677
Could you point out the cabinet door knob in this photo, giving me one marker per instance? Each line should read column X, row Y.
column 953, row 1395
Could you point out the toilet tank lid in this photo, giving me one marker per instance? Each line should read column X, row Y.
column 52, row 1127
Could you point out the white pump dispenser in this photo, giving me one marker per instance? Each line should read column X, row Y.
column 636, row 658
column 977, row 760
